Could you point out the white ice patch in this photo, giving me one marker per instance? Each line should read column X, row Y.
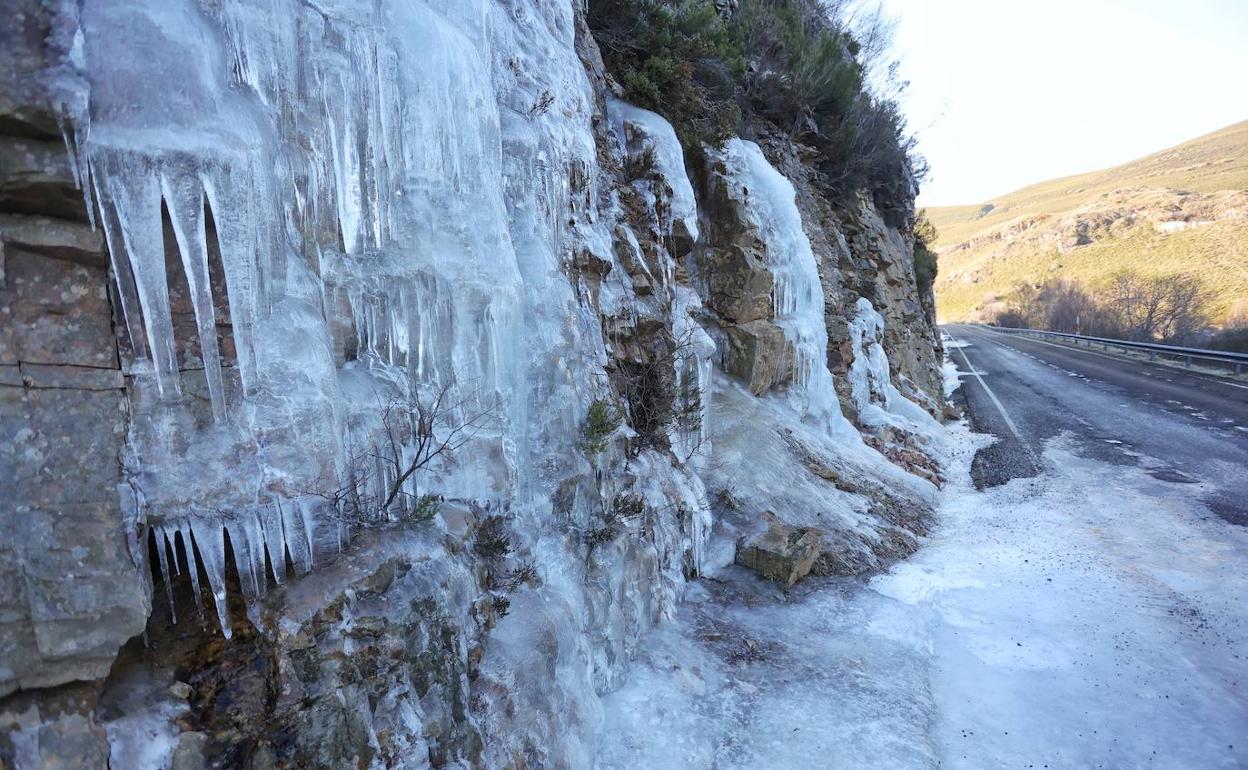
column 763, row 462
column 640, row 130
column 878, row 400
column 1089, row 618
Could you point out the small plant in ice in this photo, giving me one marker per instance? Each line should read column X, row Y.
column 492, row 540
column 601, row 422
column 423, row 508
column 502, row 605
column 493, row 545
column 509, row 582
column 624, row 507
column 415, row 432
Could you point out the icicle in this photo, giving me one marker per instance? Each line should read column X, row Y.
column 307, row 514
column 274, row 540
column 241, row 541
column 134, row 191
column 296, row 540
column 210, row 538
column 255, row 552
column 126, row 290
column 162, row 542
column 348, row 192
column 184, row 197
column 78, row 164
column 231, row 210
column 192, row 565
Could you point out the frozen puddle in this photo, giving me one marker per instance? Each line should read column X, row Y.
column 1087, row 618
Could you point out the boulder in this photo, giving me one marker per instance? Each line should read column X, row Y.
column 755, row 354
column 782, row 553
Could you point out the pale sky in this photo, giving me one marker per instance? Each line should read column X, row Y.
column 1005, row 93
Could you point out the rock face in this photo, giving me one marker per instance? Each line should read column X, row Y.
column 71, row 593
column 238, row 313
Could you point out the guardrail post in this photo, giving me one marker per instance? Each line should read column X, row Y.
column 1189, row 362
column 1152, row 355
column 1239, row 369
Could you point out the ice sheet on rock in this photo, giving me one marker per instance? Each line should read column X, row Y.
column 694, row 378
column 639, row 131
column 878, row 400
column 769, row 201
column 140, row 718
column 766, row 460
column 749, row 678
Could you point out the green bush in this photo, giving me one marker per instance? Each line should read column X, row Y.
column 491, row 540
column 423, row 508
column 782, row 61
column 674, row 57
column 601, row 422
column 925, row 266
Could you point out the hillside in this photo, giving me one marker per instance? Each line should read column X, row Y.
column 1181, row 209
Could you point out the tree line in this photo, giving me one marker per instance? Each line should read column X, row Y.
column 1174, row 308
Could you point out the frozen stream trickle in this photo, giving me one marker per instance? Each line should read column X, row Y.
column 1038, row 627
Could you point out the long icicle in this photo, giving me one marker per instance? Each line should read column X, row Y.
column 184, row 198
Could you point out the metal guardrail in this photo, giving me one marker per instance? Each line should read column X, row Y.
column 1237, row 361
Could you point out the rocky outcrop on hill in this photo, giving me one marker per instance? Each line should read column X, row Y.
column 1159, row 230
column 373, row 386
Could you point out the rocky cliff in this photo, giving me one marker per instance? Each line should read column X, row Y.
column 373, row 379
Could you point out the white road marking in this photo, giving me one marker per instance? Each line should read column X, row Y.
column 996, row 401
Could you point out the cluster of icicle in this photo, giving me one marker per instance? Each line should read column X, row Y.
column 350, row 157
column 266, row 537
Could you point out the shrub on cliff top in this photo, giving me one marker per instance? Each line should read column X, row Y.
column 790, row 63
column 924, row 257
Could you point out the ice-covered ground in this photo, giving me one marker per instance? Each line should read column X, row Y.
column 1091, row 617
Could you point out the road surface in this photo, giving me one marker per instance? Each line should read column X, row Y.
column 1187, row 428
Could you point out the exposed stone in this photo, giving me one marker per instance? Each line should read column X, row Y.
column 55, row 312
column 75, row 377
column 189, row 753
column 781, row 553
column 52, row 237
column 70, row 593
column 756, row 353
column 52, row 730
column 36, row 178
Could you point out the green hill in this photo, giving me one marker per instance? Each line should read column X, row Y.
column 1184, row 209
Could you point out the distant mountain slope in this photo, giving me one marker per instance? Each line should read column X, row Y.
column 1181, row 209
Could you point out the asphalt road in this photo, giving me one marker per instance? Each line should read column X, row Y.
column 1186, row 428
